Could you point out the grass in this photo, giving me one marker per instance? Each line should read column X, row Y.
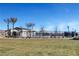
column 39, row 47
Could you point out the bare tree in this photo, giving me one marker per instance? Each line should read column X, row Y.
column 68, row 31
column 55, row 33
column 42, row 30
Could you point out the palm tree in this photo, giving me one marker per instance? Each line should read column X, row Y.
column 33, row 28
column 30, row 26
column 7, row 21
column 13, row 21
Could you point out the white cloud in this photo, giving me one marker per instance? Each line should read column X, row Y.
column 63, row 26
column 74, row 25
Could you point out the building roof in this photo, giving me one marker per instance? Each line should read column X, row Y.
column 19, row 28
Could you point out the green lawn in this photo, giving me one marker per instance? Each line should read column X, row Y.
column 43, row 47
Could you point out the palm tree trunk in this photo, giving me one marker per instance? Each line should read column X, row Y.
column 13, row 25
column 29, row 35
column 13, row 30
column 31, row 31
column 8, row 29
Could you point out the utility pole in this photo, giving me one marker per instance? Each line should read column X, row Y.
column 68, row 28
column 68, row 31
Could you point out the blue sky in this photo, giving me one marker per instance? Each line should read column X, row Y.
column 48, row 15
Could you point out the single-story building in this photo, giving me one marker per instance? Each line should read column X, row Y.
column 20, row 32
